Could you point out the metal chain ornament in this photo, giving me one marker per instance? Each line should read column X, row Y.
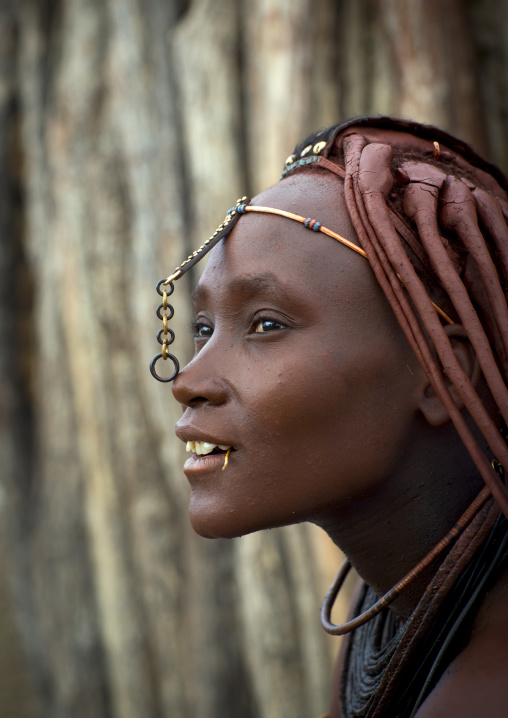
column 242, row 207
column 165, row 288
column 165, row 336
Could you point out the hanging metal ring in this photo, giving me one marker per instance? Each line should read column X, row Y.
column 169, row 288
column 153, row 370
column 171, row 334
column 170, row 308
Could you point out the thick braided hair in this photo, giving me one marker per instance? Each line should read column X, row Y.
column 431, row 216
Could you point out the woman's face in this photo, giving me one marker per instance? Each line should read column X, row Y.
column 300, row 366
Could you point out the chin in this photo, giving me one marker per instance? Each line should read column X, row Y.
column 226, row 523
column 215, row 528
column 213, row 523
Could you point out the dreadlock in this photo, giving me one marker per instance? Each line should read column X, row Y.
column 417, row 212
column 430, row 215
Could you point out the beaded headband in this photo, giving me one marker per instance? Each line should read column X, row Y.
column 165, row 287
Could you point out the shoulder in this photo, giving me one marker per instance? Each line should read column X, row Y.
column 476, row 682
column 472, row 686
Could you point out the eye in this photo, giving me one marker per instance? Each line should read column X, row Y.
column 201, row 330
column 262, row 326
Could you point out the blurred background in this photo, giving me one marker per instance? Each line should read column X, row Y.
column 127, row 128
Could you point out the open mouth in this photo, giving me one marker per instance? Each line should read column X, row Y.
column 204, row 448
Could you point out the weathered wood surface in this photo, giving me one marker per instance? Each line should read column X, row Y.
column 127, row 128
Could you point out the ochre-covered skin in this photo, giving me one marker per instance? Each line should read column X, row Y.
column 301, row 366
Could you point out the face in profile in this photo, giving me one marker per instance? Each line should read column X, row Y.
column 300, row 367
column 305, row 402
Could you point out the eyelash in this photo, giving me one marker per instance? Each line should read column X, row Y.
column 262, row 320
column 199, row 325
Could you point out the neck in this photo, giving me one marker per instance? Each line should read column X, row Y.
column 387, row 533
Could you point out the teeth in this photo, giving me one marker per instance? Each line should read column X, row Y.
column 203, row 447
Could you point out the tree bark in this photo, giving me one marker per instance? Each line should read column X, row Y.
column 127, row 129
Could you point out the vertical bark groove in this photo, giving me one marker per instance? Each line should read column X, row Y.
column 127, row 129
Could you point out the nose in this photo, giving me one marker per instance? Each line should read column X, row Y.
column 199, row 384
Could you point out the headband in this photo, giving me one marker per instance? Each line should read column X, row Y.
column 165, row 287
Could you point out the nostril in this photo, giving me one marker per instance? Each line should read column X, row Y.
column 196, row 401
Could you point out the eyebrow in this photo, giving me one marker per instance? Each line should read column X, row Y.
column 248, row 286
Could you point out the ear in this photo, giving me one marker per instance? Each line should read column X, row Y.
column 430, row 405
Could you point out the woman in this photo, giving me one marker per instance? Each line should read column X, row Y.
column 350, row 370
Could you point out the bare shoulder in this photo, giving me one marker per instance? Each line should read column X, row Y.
column 476, row 682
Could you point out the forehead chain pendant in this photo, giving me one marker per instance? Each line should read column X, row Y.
column 242, row 206
column 165, row 336
column 165, row 288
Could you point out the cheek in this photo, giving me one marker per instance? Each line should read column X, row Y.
column 315, row 429
column 343, row 425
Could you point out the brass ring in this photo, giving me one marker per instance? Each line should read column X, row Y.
column 153, row 371
column 165, row 299
column 171, row 334
column 165, row 323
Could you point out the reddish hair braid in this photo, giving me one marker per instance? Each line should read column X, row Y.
column 430, row 215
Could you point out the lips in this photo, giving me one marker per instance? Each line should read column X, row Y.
column 211, row 460
column 202, row 441
column 210, row 452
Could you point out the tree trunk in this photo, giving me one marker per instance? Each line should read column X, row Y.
column 127, row 128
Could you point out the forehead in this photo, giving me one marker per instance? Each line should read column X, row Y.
column 313, row 194
column 267, row 253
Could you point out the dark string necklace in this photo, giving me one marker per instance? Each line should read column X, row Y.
column 372, row 646
column 369, row 651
